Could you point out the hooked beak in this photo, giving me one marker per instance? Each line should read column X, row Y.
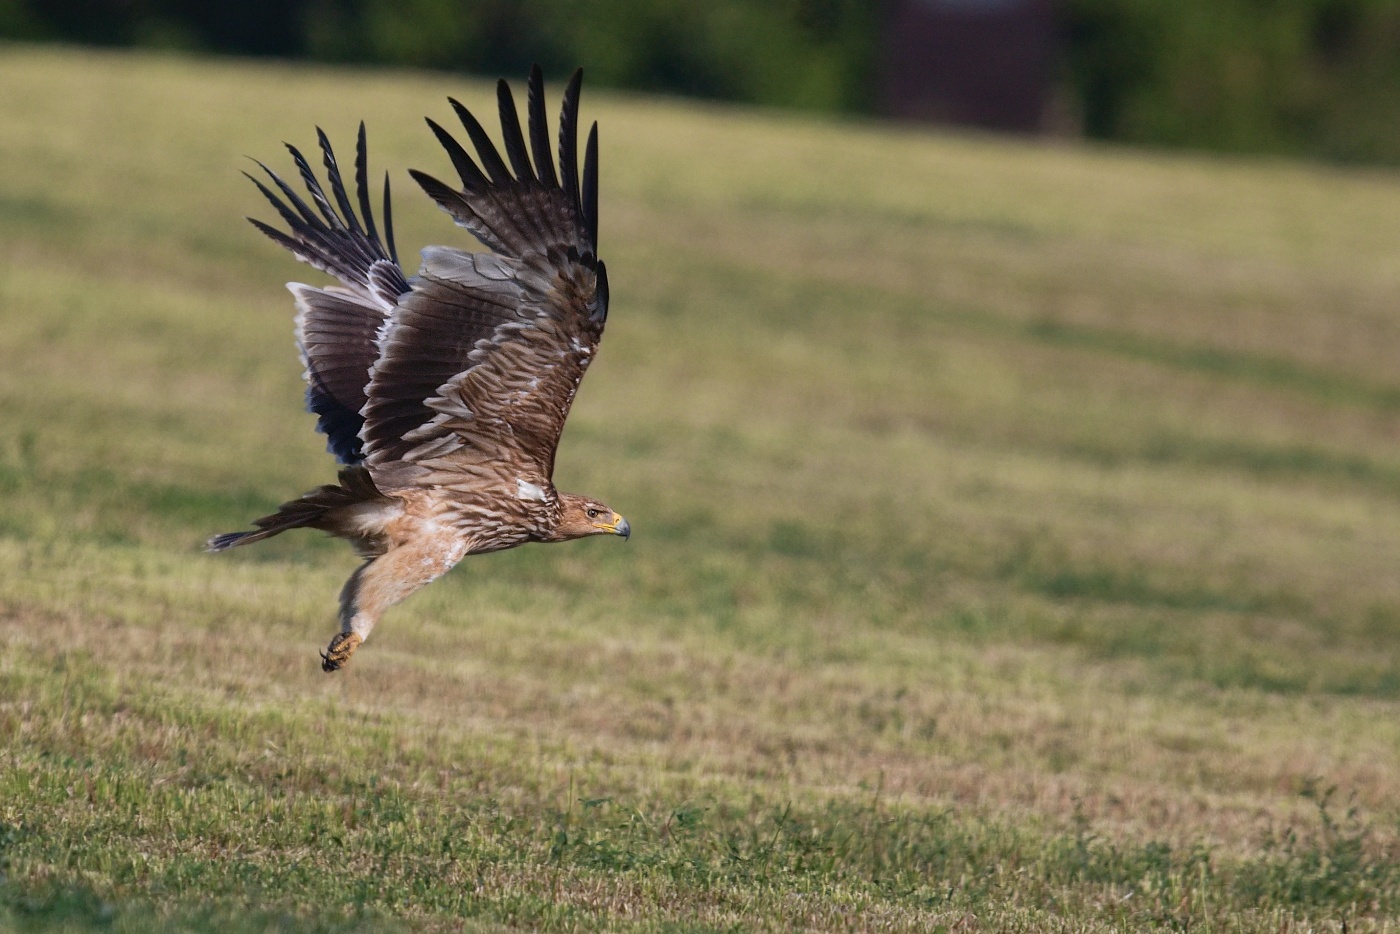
column 616, row 526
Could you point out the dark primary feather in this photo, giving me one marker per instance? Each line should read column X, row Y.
column 490, row 158
column 362, row 185
column 568, row 138
column 530, row 212
column 510, row 133
column 602, row 296
column 334, row 240
column 473, row 179
column 539, row 131
column 338, row 189
column 388, row 220
column 337, row 331
column 589, row 204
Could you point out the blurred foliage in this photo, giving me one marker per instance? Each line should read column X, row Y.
column 1309, row 77
column 807, row 53
column 815, row 54
column 1312, row 77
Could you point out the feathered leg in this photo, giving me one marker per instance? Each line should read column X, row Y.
column 383, row 581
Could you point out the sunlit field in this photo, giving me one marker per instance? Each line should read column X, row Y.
column 1016, row 538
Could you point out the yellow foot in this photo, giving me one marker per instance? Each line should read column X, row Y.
column 339, row 651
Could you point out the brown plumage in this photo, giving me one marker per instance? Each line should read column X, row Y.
column 444, row 394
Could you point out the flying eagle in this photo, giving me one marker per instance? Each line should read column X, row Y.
column 443, row 394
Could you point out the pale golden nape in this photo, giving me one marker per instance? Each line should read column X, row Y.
column 580, row 517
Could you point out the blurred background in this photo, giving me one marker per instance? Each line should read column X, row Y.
column 1314, row 77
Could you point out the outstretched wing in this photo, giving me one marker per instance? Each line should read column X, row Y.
column 338, row 328
column 481, row 359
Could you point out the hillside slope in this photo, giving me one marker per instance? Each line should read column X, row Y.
column 1015, row 537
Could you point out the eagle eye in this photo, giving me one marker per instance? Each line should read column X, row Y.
column 592, row 513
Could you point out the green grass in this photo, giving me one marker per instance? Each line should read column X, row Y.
column 1016, row 535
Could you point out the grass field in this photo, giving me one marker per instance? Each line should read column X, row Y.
column 1015, row 541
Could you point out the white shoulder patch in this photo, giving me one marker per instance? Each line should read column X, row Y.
column 524, row 490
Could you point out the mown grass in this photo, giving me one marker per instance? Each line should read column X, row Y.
column 1015, row 542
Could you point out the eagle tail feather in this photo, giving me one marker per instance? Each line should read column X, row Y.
column 330, row 508
column 227, row 540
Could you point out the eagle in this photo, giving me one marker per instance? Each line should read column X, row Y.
column 443, row 394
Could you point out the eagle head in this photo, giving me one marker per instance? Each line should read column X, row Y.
column 580, row 516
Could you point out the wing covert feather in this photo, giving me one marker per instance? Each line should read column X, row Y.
column 481, row 359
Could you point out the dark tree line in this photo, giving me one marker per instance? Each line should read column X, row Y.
column 1311, row 77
